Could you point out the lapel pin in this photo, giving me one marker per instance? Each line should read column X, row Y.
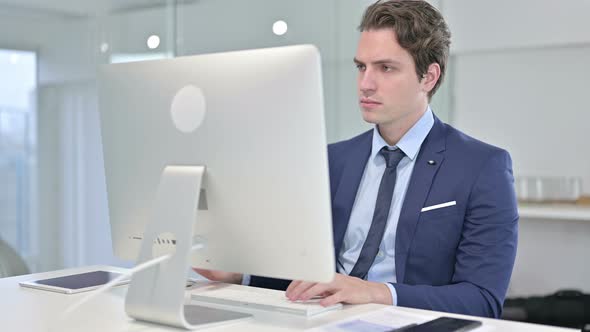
column 431, row 162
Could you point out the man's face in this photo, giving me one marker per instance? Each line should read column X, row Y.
column 389, row 89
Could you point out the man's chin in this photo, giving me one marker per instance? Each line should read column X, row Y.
column 370, row 117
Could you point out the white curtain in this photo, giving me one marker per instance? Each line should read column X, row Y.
column 72, row 195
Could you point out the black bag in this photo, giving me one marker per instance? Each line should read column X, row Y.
column 567, row 308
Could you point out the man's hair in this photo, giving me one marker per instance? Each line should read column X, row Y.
column 420, row 29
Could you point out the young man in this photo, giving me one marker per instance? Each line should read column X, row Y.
column 424, row 216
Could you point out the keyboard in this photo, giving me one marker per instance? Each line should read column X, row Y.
column 259, row 298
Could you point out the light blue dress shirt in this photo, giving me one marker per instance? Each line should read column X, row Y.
column 383, row 268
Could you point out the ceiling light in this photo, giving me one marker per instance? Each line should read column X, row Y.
column 104, row 47
column 153, row 41
column 279, row 28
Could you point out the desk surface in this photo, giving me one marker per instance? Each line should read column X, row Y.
column 26, row 309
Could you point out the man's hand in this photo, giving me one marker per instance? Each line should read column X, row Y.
column 343, row 288
column 227, row 277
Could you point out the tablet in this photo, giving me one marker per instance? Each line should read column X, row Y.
column 75, row 283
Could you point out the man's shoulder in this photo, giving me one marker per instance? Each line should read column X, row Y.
column 355, row 141
column 356, row 148
column 467, row 149
column 464, row 143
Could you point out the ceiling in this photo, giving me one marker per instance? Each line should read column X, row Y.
column 83, row 7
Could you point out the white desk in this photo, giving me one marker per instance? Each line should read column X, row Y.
column 26, row 309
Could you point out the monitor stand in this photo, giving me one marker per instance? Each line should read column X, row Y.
column 157, row 294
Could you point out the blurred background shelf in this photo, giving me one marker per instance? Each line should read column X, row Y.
column 561, row 211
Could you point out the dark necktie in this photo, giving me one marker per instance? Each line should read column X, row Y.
column 382, row 207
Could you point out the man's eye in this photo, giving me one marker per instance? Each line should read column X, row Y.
column 360, row 67
column 387, row 68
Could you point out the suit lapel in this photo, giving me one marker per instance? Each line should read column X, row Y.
column 348, row 186
column 417, row 192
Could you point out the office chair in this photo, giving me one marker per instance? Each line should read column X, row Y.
column 11, row 264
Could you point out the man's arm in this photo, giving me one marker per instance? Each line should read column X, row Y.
column 486, row 252
column 221, row 276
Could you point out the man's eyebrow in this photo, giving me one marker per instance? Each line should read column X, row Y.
column 378, row 62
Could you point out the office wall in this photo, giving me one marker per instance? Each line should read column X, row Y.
column 532, row 102
column 519, row 82
column 65, row 57
column 63, row 42
column 479, row 25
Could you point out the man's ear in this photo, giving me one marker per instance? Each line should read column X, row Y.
column 430, row 77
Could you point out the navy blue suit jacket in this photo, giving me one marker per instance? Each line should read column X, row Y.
column 454, row 259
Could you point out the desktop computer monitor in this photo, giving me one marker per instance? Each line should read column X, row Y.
column 255, row 120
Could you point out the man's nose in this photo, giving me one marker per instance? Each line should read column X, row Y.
column 367, row 83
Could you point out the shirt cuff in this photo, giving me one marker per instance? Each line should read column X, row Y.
column 393, row 293
column 246, row 279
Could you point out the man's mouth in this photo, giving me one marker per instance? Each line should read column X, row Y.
column 366, row 102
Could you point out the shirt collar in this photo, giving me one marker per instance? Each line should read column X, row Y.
column 410, row 143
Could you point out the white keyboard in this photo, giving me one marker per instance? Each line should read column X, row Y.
column 258, row 298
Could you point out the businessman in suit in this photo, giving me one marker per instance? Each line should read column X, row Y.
column 424, row 215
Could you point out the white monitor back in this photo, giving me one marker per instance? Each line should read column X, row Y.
column 261, row 137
